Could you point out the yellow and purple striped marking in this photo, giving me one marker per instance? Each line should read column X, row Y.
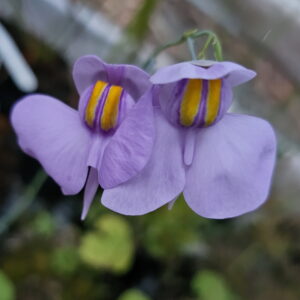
column 200, row 102
column 103, row 106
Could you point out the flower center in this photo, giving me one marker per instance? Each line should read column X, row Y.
column 200, row 102
column 103, row 106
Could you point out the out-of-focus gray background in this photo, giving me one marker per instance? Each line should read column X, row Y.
column 46, row 253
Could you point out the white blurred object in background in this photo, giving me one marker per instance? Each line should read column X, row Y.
column 15, row 64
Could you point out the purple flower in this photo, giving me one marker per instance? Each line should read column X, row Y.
column 107, row 141
column 222, row 162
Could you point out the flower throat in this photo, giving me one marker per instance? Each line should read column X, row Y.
column 103, row 106
column 200, row 102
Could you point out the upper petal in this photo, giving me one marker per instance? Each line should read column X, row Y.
column 235, row 74
column 130, row 148
column 159, row 182
column 52, row 132
column 232, row 167
column 88, row 69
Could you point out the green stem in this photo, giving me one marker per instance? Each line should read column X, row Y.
column 191, row 47
column 29, row 195
column 218, row 49
column 212, row 38
column 160, row 49
column 202, row 53
column 189, row 37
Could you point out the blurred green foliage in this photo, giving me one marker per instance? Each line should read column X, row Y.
column 210, row 285
column 170, row 233
column 109, row 245
column 65, row 260
column 133, row 294
column 139, row 25
column 43, row 223
column 7, row 289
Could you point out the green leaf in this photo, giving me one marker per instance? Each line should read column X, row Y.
column 7, row 289
column 169, row 233
column 139, row 26
column 65, row 260
column 133, row 294
column 209, row 285
column 109, row 246
column 43, row 224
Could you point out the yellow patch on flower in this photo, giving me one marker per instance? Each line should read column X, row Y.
column 110, row 111
column 191, row 102
column 213, row 101
column 90, row 113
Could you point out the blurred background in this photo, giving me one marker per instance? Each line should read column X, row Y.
column 47, row 253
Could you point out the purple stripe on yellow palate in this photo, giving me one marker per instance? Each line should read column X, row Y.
column 200, row 102
column 202, row 110
column 101, row 104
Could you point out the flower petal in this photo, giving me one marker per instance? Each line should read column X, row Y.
column 235, row 74
column 97, row 148
column 88, row 69
column 89, row 192
column 52, row 132
column 159, row 182
column 232, row 167
column 129, row 150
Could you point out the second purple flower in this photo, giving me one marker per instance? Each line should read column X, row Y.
column 222, row 162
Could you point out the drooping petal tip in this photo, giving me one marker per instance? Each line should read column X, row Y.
column 89, row 192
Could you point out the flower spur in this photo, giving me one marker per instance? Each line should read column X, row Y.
column 222, row 162
column 106, row 143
